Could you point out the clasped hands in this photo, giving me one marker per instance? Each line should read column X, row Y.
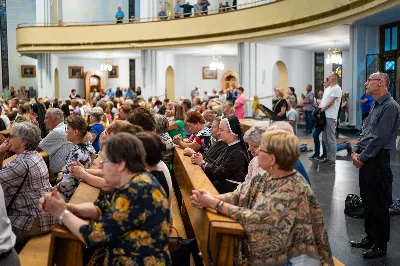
column 197, row 158
column 177, row 139
column 5, row 146
column 356, row 160
column 53, row 203
column 203, row 199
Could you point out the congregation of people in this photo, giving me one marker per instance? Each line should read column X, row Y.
column 260, row 179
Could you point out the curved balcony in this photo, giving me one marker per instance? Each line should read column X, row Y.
column 277, row 19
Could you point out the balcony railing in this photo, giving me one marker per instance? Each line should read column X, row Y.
column 170, row 15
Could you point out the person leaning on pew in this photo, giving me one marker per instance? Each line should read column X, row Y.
column 28, row 171
column 277, row 205
column 133, row 222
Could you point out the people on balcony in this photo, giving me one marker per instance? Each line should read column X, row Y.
column 120, row 15
column 162, row 15
column 177, row 9
column 198, row 9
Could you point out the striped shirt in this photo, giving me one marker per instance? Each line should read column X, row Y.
column 25, row 209
column 57, row 147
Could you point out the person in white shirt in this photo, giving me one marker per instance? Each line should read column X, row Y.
column 330, row 104
column 8, row 255
column 5, row 119
column 292, row 116
column 206, row 97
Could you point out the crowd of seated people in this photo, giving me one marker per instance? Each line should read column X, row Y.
column 135, row 140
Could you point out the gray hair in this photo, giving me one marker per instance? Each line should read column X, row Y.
column 97, row 113
column 281, row 125
column 385, row 78
column 56, row 113
column 255, row 133
column 161, row 123
column 29, row 133
column 129, row 101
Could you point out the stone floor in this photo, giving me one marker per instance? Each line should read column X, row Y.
column 331, row 185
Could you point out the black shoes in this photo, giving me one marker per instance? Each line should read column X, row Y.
column 364, row 243
column 375, row 252
column 314, row 156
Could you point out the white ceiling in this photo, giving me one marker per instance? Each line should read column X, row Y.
column 316, row 41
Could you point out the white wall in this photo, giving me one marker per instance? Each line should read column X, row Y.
column 92, row 10
column 19, row 11
column 188, row 73
column 66, row 84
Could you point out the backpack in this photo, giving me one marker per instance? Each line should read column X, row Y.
column 353, row 206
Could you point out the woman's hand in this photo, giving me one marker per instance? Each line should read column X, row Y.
column 197, row 158
column 177, row 139
column 77, row 170
column 53, row 203
column 188, row 151
column 203, row 199
column 5, row 147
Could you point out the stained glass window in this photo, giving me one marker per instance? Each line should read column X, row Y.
column 319, row 72
column 394, row 38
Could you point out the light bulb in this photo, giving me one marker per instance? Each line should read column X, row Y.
column 109, row 67
column 328, row 60
column 222, row 66
column 101, row 67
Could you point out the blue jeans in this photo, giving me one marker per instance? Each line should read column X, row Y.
column 341, row 146
column 308, row 120
column 316, row 134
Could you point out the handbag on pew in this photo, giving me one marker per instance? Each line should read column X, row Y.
column 98, row 257
column 18, row 190
column 180, row 249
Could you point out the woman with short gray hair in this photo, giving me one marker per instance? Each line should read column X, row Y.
column 25, row 180
column 96, row 116
column 162, row 131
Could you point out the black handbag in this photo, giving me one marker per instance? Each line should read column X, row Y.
column 180, row 249
column 353, row 206
column 18, row 190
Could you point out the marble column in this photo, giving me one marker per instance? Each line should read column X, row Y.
column 148, row 61
column 363, row 40
column 44, row 76
column 148, row 9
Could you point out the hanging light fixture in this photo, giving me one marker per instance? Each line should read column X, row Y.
column 216, row 63
column 334, row 56
column 106, row 65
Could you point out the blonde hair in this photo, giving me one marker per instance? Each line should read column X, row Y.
column 281, row 91
column 284, row 146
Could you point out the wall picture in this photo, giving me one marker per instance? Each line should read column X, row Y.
column 209, row 74
column 28, row 71
column 75, row 72
column 113, row 73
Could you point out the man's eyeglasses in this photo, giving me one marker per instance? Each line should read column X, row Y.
column 369, row 80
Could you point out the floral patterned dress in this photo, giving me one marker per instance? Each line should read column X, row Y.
column 203, row 138
column 83, row 153
column 282, row 220
column 133, row 225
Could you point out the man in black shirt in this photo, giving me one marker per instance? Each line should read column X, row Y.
column 118, row 93
column 187, row 10
column 372, row 157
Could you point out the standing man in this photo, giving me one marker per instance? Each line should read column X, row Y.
column 366, row 104
column 177, row 9
column 194, row 93
column 309, row 107
column 119, row 15
column 330, row 104
column 292, row 116
column 372, row 158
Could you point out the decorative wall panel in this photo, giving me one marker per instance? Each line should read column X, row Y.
column 4, row 44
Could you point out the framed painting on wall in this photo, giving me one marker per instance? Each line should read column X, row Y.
column 209, row 74
column 28, row 71
column 75, row 72
column 113, row 73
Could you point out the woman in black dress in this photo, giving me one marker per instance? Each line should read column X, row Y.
column 281, row 105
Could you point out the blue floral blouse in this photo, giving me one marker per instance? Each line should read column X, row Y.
column 203, row 138
column 133, row 224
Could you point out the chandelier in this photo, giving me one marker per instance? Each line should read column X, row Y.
column 106, row 65
column 334, row 56
column 216, row 63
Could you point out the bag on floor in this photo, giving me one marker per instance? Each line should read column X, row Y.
column 303, row 147
column 353, row 206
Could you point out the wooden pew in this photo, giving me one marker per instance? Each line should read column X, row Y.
column 67, row 249
column 6, row 132
column 214, row 232
column 247, row 123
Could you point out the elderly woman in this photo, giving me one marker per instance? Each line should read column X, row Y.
column 201, row 139
column 281, row 216
column 24, row 181
column 94, row 177
column 122, row 223
column 216, row 148
column 230, row 167
column 143, row 117
column 162, row 131
column 281, row 105
column 96, row 116
column 82, row 152
column 177, row 125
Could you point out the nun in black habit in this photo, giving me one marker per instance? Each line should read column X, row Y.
column 230, row 167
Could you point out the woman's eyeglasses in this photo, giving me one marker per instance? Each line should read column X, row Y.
column 10, row 136
column 264, row 151
column 102, row 162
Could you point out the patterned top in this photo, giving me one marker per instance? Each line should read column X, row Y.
column 25, row 209
column 169, row 153
column 55, row 144
column 83, row 153
column 309, row 97
column 203, row 138
column 282, row 219
column 133, row 224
